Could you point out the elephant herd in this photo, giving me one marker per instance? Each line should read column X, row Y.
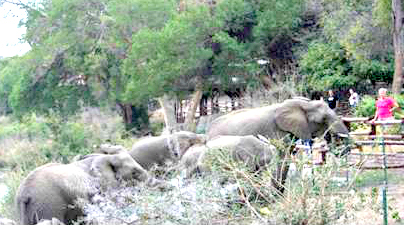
column 50, row 193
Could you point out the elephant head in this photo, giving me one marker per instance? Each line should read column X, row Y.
column 181, row 141
column 164, row 149
column 52, row 190
column 307, row 119
column 114, row 168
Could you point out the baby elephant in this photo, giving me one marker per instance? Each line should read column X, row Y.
column 52, row 190
column 249, row 149
column 166, row 148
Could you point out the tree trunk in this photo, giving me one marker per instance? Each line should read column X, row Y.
column 398, row 44
column 190, row 119
column 167, row 103
column 126, row 112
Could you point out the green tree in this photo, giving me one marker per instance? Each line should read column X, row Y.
column 327, row 67
column 80, row 45
column 390, row 15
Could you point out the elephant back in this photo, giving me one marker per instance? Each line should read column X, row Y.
column 150, row 151
column 253, row 121
column 250, row 149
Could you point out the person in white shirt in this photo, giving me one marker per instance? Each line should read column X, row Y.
column 353, row 98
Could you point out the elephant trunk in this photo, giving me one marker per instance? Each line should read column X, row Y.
column 339, row 128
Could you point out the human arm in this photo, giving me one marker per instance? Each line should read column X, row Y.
column 376, row 114
column 394, row 106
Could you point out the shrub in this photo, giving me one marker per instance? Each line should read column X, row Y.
column 366, row 107
column 326, row 66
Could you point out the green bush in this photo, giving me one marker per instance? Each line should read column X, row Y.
column 373, row 70
column 31, row 126
column 326, row 66
column 366, row 107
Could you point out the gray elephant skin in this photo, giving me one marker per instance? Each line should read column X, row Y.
column 51, row 191
column 301, row 118
column 255, row 153
column 304, row 119
column 160, row 150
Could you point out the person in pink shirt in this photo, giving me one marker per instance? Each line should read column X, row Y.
column 384, row 106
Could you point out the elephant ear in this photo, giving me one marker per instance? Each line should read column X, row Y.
column 105, row 169
column 316, row 111
column 291, row 117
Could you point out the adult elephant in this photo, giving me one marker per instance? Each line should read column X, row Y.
column 254, row 152
column 302, row 118
column 299, row 118
column 52, row 190
column 163, row 149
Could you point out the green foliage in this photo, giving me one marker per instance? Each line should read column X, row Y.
column 326, row 67
column 236, row 16
column 376, row 178
column 57, row 139
column 399, row 99
column 31, row 127
column 159, row 58
column 367, row 46
column 382, row 13
column 232, row 61
column 374, row 70
column 276, row 17
column 366, row 106
column 131, row 50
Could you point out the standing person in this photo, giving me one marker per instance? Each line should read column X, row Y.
column 384, row 106
column 332, row 100
column 353, row 98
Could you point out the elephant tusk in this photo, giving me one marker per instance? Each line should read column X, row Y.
column 343, row 135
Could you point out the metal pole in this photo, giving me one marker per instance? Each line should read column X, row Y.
column 385, row 180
